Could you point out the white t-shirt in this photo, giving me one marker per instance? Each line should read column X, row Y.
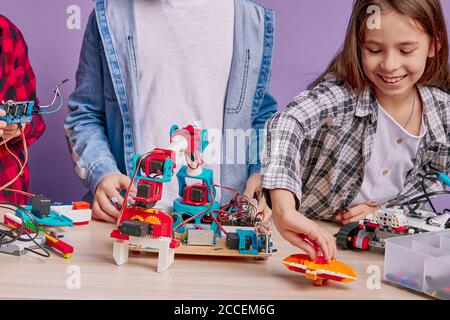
column 393, row 156
column 185, row 54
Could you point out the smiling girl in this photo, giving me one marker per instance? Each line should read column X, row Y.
column 365, row 131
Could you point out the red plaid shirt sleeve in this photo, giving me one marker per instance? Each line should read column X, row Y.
column 17, row 82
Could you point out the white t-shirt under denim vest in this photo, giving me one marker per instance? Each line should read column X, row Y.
column 185, row 51
column 393, row 156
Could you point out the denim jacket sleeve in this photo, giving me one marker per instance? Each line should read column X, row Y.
column 268, row 108
column 85, row 124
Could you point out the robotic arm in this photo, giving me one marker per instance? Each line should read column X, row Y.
column 157, row 165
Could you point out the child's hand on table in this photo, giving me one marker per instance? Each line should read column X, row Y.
column 108, row 192
column 300, row 231
column 356, row 213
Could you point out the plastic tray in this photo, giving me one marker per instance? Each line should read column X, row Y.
column 420, row 262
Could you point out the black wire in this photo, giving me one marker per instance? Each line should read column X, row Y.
column 424, row 188
column 46, row 252
column 424, row 197
column 4, row 233
column 23, row 229
column 433, row 168
column 46, row 255
column 436, row 172
column 413, row 209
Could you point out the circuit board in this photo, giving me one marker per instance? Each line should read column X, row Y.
column 218, row 246
column 17, row 112
column 218, row 250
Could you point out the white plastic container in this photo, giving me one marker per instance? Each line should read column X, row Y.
column 420, row 262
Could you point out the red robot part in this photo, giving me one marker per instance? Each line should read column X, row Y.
column 153, row 163
column 80, row 205
column 148, row 193
column 196, row 194
column 161, row 223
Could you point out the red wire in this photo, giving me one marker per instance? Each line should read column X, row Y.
column 218, row 224
column 22, row 165
column 125, row 201
column 27, row 194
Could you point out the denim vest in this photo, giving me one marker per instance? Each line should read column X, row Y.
column 99, row 123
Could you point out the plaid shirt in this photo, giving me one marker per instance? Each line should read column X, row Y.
column 318, row 146
column 18, row 83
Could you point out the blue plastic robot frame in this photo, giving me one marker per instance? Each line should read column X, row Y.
column 52, row 220
column 158, row 165
column 191, row 210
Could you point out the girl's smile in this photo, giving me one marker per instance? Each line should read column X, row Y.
column 394, row 56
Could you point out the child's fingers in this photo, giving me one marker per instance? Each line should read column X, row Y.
column 3, row 124
column 103, row 217
column 298, row 242
column 106, row 205
column 124, row 183
column 253, row 186
column 353, row 212
column 362, row 209
column 318, row 242
column 356, row 218
column 250, row 190
column 116, row 194
column 263, row 229
column 333, row 246
column 99, row 214
column 2, row 113
column 12, row 127
column 321, row 241
column 262, row 205
column 10, row 134
column 324, row 248
column 333, row 241
column 264, row 208
column 303, row 226
column 267, row 214
column 330, row 243
column 312, row 233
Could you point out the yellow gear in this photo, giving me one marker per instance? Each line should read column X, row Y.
column 153, row 220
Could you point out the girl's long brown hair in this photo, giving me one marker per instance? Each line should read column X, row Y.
column 347, row 65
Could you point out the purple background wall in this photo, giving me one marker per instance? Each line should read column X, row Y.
column 308, row 34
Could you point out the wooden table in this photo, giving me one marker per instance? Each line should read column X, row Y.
column 190, row 277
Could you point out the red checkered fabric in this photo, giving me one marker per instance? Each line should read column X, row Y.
column 18, row 83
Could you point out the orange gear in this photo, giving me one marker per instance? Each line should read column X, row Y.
column 136, row 217
column 153, row 220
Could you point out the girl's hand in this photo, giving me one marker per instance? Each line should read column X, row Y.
column 254, row 186
column 356, row 213
column 8, row 132
column 300, row 231
column 107, row 189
